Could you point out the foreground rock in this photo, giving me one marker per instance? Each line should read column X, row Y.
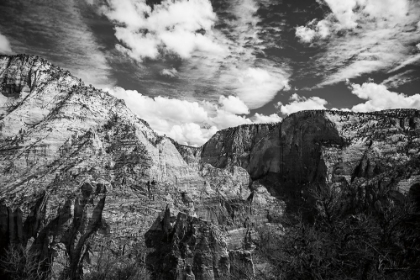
column 186, row 247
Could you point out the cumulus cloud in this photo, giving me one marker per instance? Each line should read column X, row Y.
column 300, row 103
column 350, row 13
column 320, row 29
column 188, row 122
column 358, row 35
column 273, row 118
column 233, row 104
column 5, row 47
column 191, row 133
column 379, row 98
column 179, row 27
column 305, row 34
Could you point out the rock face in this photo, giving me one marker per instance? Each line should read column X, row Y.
column 66, row 234
column 190, row 248
column 77, row 167
column 58, row 136
column 318, row 147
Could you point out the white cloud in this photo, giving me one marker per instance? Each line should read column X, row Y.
column 187, row 122
column 172, row 26
column 191, row 133
column 314, row 30
column 172, row 73
column 300, row 103
column 224, row 119
column 255, row 86
column 5, row 47
column 273, row 118
column 233, row 104
column 359, row 34
column 305, row 34
column 350, row 13
column 379, row 98
column 408, row 61
column 215, row 62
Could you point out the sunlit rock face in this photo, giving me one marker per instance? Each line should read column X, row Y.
column 67, row 149
column 58, row 135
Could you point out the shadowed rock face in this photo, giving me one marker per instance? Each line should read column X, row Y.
column 186, row 247
column 318, row 147
column 63, row 237
column 63, row 143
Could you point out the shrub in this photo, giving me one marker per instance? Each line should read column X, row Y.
column 20, row 263
column 349, row 239
column 115, row 265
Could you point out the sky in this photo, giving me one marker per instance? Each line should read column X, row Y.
column 191, row 68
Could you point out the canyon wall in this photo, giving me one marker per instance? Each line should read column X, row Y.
column 75, row 159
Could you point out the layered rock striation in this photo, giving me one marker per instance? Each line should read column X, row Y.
column 319, row 147
column 75, row 161
column 58, row 135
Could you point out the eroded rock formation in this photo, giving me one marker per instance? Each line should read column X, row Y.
column 63, row 143
column 187, row 247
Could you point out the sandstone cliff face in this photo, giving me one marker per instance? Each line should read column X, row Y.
column 74, row 159
column 57, row 135
column 319, row 147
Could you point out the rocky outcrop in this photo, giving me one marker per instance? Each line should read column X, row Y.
column 186, row 247
column 256, row 148
column 60, row 239
column 318, row 147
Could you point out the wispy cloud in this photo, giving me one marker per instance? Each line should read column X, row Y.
column 401, row 78
column 56, row 30
column 210, row 61
column 410, row 60
column 255, row 86
column 363, row 36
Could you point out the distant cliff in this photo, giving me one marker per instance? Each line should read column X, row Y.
column 319, row 147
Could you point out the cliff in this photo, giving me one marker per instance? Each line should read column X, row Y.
column 76, row 162
column 58, row 135
column 320, row 147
